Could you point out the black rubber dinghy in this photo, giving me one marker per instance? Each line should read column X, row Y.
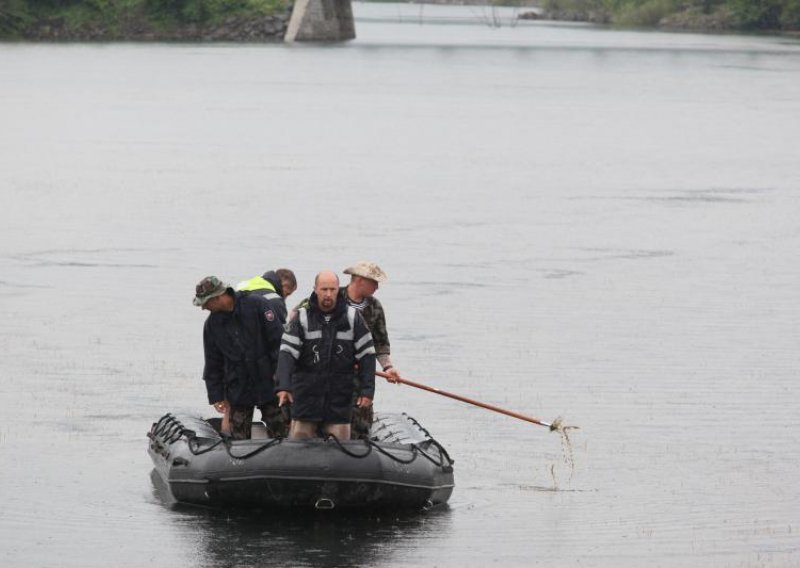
column 400, row 466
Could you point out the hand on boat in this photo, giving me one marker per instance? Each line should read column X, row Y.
column 364, row 402
column 221, row 406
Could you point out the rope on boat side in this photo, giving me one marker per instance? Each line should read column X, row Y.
column 418, row 425
column 194, row 446
column 442, row 454
column 415, row 448
column 170, row 430
column 227, row 441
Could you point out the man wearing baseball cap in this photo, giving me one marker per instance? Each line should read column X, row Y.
column 241, row 340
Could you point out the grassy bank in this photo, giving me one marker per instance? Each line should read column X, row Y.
column 135, row 19
column 255, row 20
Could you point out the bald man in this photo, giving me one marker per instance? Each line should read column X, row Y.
column 318, row 352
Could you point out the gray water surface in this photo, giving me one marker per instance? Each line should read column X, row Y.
column 578, row 222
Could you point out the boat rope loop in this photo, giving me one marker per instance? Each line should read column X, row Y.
column 416, row 450
column 194, row 445
column 431, row 439
column 227, row 441
column 168, row 428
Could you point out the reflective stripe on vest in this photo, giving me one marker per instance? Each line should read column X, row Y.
column 351, row 319
column 303, row 316
column 348, row 335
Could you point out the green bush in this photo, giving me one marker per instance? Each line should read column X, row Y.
column 13, row 16
column 647, row 13
column 790, row 15
column 201, row 11
column 569, row 5
column 756, row 14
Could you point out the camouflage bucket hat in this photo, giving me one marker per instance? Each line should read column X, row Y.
column 367, row 270
column 209, row 287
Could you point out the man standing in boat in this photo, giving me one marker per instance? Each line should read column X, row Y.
column 318, row 353
column 365, row 278
column 275, row 286
column 241, row 339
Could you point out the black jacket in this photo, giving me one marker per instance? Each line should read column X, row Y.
column 241, row 352
column 374, row 317
column 313, row 349
column 272, row 277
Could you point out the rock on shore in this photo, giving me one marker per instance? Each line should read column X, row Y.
column 233, row 29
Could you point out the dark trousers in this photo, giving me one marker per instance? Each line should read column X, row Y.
column 241, row 422
column 360, row 423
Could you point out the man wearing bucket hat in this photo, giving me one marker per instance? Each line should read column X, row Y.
column 365, row 278
column 241, row 339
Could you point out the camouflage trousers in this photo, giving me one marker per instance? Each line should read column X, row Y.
column 360, row 422
column 276, row 421
column 241, row 418
column 361, row 418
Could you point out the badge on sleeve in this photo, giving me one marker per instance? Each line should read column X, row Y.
column 269, row 315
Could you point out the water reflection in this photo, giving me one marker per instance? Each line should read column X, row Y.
column 249, row 538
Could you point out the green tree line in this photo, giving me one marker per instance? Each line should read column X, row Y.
column 745, row 15
column 749, row 15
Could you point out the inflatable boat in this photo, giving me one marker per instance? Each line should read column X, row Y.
column 400, row 466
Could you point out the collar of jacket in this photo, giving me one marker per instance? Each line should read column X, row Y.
column 343, row 294
column 272, row 277
column 338, row 312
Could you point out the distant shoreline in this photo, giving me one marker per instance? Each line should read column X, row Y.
column 704, row 16
column 141, row 21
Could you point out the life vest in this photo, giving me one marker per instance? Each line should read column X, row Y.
column 260, row 285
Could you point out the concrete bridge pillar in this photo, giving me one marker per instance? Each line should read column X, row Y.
column 321, row 20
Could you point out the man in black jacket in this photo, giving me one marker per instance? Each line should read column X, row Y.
column 318, row 352
column 274, row 286
column 241, row 339
column 365, row 278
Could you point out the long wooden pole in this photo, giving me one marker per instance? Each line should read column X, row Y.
column 486, row 405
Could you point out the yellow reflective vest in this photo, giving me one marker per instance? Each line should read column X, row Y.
column 255, row 283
